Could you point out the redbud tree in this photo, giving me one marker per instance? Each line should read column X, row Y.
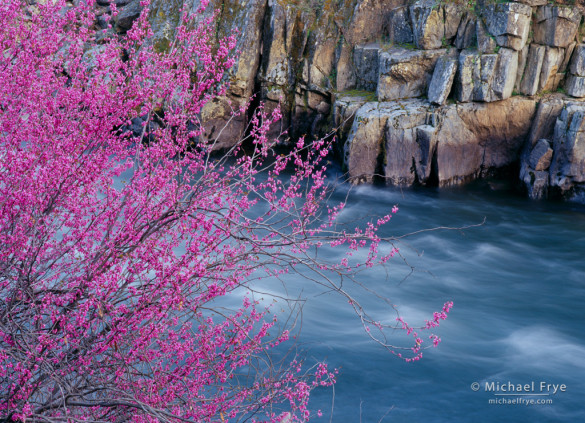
column 121, row 230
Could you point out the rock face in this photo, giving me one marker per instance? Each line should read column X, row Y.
column 576, row 79
column 531, row 78
column 509, row 23
column 556, row 26
column 405, row 73
column 540, row 156
column 486, row 77
column 366, row 66
column 442, row 80
column 555, row 166
column 446, row 146
column 567, row 170
column 366, row 60
column 363, row 148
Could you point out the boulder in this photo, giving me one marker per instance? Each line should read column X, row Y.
column 357, row 22
column 531, row 78
column 536, row 183
column 468, row 68
column 466, row 32
column 568, row 54
column 578, row 61
column 544, row 121
column 405, row 73
column 405, row 156
column 505, row 74
column 428, row 24
column 482, row 81
column 556, row 26
column 435, row 25
column 486, row 77
column 522, row 59
column 575, row 86
column 127, row 15
column 509, row 23
column 164, row 16
column 319, row 68
column 362, row 152
column 567, row 171
column 540, row 156
column 399, row 26
column 367, row 65
column 533, row 3
column 453, row 15
column 442, row 80
column 551, row 63
column 485, row 42
column 501, row 128
column 344, row 110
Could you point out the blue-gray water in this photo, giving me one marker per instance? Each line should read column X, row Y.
column 518, row 285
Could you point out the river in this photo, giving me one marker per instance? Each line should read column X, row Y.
column 518, row 287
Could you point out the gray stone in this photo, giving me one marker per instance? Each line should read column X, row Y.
column 568, row 54
column 567, row 171
column 408, row 155
column 320, row 64
column 551, row 63
column 544, row 120
column 427, row 24
column 345, row 72
column 522, row 59
column 451, row 145
column 485, row 42
column 578, row 61
column 426, row 138
column 486, row 77
column 364, row 146
column 442, row 80
column 509, row 23
column 399, row 26
column 533, row 3
column 344, row 110
column 406, row 73
column 128, row 15
column 453, row 16
column 459, row 155
column 536, row 182
column 505, row 74
column 367, row 66
column 575, row 86
column 501, row 127
column 530, row 81
column 556, row 26
column 483, row 80
column 468, row 67
column 116, row 2
column 541, row 156
column 466, row 33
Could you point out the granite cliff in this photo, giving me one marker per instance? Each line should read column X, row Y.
column 428, row 92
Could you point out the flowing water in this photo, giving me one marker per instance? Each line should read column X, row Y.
column 518, row 285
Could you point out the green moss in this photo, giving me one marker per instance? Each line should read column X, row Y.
column 368, row 95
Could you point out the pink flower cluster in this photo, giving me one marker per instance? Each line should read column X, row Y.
column 121, row 230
